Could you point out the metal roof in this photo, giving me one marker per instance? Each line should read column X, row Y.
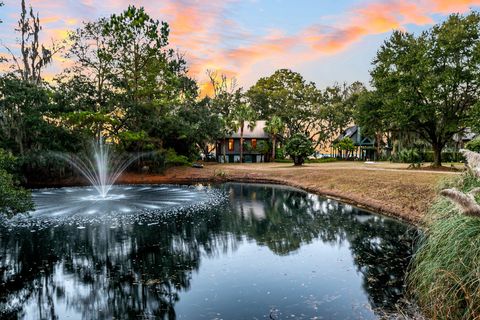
column 258, row 131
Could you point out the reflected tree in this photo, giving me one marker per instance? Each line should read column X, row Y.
column 141, row 270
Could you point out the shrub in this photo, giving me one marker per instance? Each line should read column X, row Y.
column 173, row 159
column 280, row 153
column 13, row 199
column 447, row 156
column 151, row 162
column 473, row 145
column 407, row 156
column 299, row 147
column 414, row 156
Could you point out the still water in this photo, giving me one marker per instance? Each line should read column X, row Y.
column 263, row 252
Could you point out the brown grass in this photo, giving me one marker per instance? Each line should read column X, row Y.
column 383, row 187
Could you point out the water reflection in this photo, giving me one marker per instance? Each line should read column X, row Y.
column 317, row 254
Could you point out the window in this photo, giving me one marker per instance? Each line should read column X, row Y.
column 230, row 144
column 254, row 144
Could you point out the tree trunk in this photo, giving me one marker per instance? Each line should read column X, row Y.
column 224, row 149
column 298, row 161
column 274, row 145
column 437, row 155
column 241, row 144
column 377, row 140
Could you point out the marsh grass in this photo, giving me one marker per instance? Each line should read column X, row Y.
column 444, row 276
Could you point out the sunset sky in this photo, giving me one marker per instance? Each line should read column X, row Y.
column 326, row 40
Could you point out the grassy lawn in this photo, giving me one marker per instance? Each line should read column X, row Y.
column 390, row 188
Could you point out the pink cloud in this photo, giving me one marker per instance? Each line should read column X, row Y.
column 211, row 39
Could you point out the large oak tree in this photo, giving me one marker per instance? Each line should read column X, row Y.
column 429, row 84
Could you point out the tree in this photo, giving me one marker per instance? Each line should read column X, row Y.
column 242, row 115
column 347, row 145
column 274, row 127
column 429, row 84
column 34, row 56
column 199, row 127
column 369, row 117
column 226, row 98
column 127, row 84
column 340, row 103
column 28, row 118
column 263, row 148
column 87, row 88
column 297, row 103
column 299, row 147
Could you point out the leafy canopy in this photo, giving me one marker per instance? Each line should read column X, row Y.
column 429, row 84
column 299, row 147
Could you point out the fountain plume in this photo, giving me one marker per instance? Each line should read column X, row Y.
column 101, row 169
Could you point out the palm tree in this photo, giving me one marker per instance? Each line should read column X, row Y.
column 241, row 115
column 274, row 127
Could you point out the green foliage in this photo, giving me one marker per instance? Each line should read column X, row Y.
column 416, row 75
column 444, row 274
column 473, row 145
column 286, row 95
column 262, row 147
column 127, row 85
column 428, row 156
column 407, row 156
column 197, row 127
column 28, row 118
column 301, row 107
column 415, row 156
column 339, row 103
column 369, row 113
column 346, row 144
column 275, row 128
column 280, row 153
column 173, row 159
column 299, row 147
column 240, row 116
column 13, row 199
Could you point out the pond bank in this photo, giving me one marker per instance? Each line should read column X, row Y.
column 385, row 188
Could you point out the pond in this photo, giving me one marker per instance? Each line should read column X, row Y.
column 232, row 251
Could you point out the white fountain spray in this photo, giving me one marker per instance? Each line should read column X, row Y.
column 101, row 170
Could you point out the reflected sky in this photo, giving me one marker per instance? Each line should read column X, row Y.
column 266, row 252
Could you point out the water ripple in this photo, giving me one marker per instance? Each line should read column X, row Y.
column 124, row 204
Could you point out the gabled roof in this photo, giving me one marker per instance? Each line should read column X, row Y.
column 466, row 135
column 354, row 133
column 349, row 132
column 258, row 131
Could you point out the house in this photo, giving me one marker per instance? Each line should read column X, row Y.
column 252, row 142
column 364, row 146
column 460, row 139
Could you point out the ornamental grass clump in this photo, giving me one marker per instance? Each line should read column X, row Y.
column 444, row 276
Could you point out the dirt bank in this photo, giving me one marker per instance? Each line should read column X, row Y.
column 383, row 187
